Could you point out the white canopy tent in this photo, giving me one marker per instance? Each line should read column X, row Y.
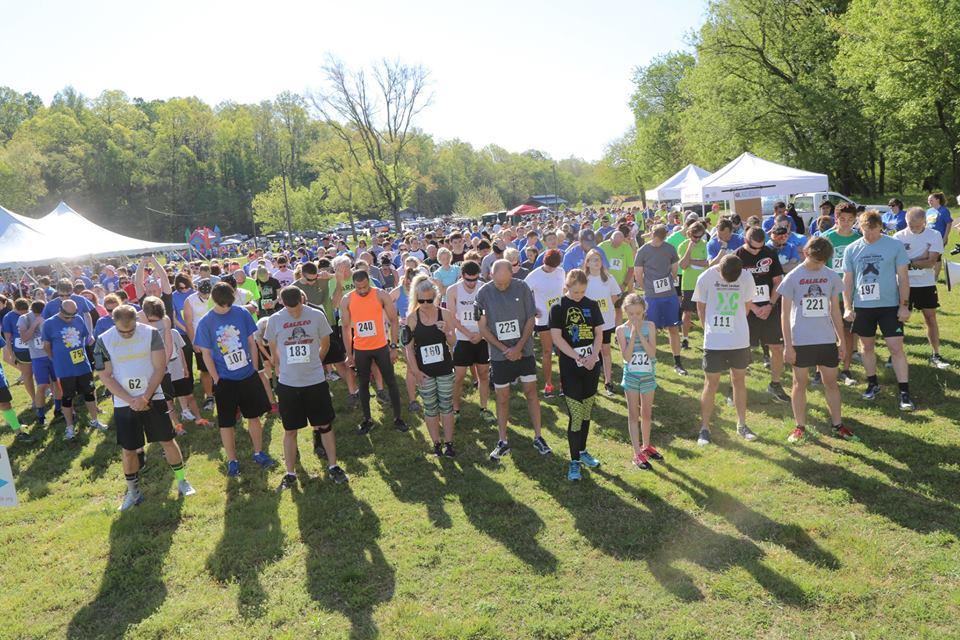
column 748, row 176
column 688, row 178
column 21, row 245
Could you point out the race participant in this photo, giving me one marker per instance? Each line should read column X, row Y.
column 637, row 340
column 762, row 263
column 546, row 283
column 269, row 291
column 225, row 339
column 131, row 361
column 17, row 350
column 283, row 274
column 693, row 261
column 896, row 219
column 401, row 301
column 725, row 241
column 427, row 337
column 6, row 406
column 471, row 349
column 939, row 219
column 724, row 296
column 249, row 285
column 195, row 307
column 812, row 326
column 655, row 269
column 620, row 254
column 507, row 317
column 29, row 326
column 604, row 290
column 876, row 293
column 85, row 310
column 64, row 338
column 788, row 254
column 575, row 254
column 924, row 246
column 299, row 337
column 841, row 236
column 364, row 336
column 336, row 354
column 576, row 323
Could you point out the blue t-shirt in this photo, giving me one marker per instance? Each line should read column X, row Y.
column 893, row 222
column 3, row 376
column 447, row 276
column 52, row 308
column 573, row 258
column 103, row 325
column 713, row 247
column 787, row 253
column 874, row 269
column 226, row 335
column 767, row 224
column 179, row 297
column 87, row 282
column 67, row 341
column 9, row 325
column 110, row 284
column 939, row 219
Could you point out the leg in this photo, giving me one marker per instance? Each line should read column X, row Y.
column 207, row 383
column 687, row 322
column 255, row 427
column 849, row 344
column 801, row 377
column 386, row 371
column 633, row 419
column 533, row 405
column 26, row 370
column 546, row 345
column 411, row 386
column 900, row 367
column 290, row 450
column 674, row 334
column 870, row 355
column 171, row 452
column 738, row 379
column 776, row 362
column 346, row 373
column 607, row 363
column 329, row 444
column 646, row 417
column 933, row 330
column 363, row 362
column 228, row 438
column 503, row 409
column 483, row 384
column 459, row 374
column 711, row 382
column 832, row 392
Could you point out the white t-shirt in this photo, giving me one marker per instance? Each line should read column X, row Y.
column 916, row 245
column 603, row 293
column 547, row 290
column 726, row 311
column 284, row 277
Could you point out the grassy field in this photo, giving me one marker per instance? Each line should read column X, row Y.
column 763, row 540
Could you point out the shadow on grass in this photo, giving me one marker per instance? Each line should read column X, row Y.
column 132, row 587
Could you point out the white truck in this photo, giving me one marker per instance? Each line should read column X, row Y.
column 808, row 204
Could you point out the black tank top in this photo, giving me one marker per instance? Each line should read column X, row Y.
column 430, row 345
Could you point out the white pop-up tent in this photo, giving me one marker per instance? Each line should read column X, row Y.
column 21, row 244
column 688, row 178
column 748, row 176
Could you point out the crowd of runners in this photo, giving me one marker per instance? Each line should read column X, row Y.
column 283, row 330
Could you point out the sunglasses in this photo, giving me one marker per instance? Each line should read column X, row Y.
column 425, row 300
column 474, row 279
column 697, row 237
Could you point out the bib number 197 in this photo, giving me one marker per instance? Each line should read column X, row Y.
column 869, row 291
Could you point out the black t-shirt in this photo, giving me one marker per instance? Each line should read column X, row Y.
column 765, row 266
column 166, row 298
column 577, row 321
column 458, row 258
column 269, row 290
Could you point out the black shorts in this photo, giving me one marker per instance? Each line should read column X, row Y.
column 201, row 365
column 922, row 298
column 847, row 326
column 5, row 396
column 817, row 355
column 302, row 405
column 503, row 372
column 77, row 385
column 607, row 335
column 541, row 327
column 336, row 353
column 579, row 383
column 867, row 320
column 132, row 425
column 720, row 360
column 188, row 356
column 686, row 301
column 23, row 357
column 248, row 395
column 768, row 331
column 466, row 353
column 176, row 388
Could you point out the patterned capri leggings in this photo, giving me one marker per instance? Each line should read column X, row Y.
column 437, row 395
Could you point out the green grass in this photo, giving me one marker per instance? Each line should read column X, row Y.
column 764, row 540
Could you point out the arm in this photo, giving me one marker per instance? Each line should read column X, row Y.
column 638, row 276
column 449, row 324
column 563, row 346
column 324, row 346
column 163, row 278
column 254, row 352
column 188, row 324
column 774, row 294
column 686, row 261
column 167, row 340
column 903, row 284
column 702, row 314
column 106, row 377
column 848, row 293
column 650, row 342
column 159, row 361
column 392, row 316
column 211, row 365
column 410, row 352
column 487, row 334
column 788, row 353
column 138, row 278
column 345, row 329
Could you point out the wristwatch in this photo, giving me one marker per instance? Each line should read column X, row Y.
column 393, row 345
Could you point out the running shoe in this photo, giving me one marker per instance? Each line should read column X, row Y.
column 797, row 436
column 414, row 407
column 337, row 475
column 650, row 452
column 69, row 434
column 873, row 390
column 400, row 425
column 889, row 363
column 703, row 438
column 187, row 416
column 857, row 357
column 264, row 460
column 96, row 424
column 382, row 396
column 541, row 446
column 448, row 450
column 502, row 449
column 23, row 437
column 57, row 415
column 233, row 469
column 939, row 362
column 548, row 391
column 573, row 471
column 775, row 389
column 289, row 481
column 130, row 500
column 437, row 449
column 208, row 404
column 353, row 399
column 845, row 434
column 487, row 415
column 685, row 344
column 179, row 431
column 318, row 447
column 906, row 404
column 816, row 380
column 333, row 376
column 184, row 488
column 200, row 422
column 679, row 369
column 744, row 432
column 846, row 378
column 588, row 460
column 609, row 390
column 365, row 427
column 640, row 462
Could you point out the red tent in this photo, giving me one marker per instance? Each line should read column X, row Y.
column 523, row 210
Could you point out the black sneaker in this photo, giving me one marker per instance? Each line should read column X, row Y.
column 448, row 450
column 499, row 451
column 318, row 447
column 289, row 482
column 906, row 404
column 873, row 389
column 23, row 437
column 816, row 380
column 684, row 344
column 437, row 449
column 365, row 427
column 541, row 446
column 142, row 458
column 382, row 396
column 400, row 425
column 337, row 475
column 775, row 389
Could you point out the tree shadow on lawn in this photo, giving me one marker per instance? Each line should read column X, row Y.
column 132, row 587
column 346, row 569
column 661, row 536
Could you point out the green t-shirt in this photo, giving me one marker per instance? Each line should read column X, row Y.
column 620, row 258
column 840, row 244
column 676, row 239
column 692, row 274
column 348, row 286
column 250, row 284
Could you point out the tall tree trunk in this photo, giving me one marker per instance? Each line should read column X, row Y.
column 882, row 181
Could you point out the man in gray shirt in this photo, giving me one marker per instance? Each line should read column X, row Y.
column 507, row 314
column 656, row 268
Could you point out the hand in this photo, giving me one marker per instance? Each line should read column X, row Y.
column 789, row 355
column 591, row 361
column 513, row 354
column 475, row 338
column 763, row 312
column 849, row 315
column 393, row 356
column 442, row 325
column 349, row 361
column 140, row 403
column 903, row 313
column 197, row 350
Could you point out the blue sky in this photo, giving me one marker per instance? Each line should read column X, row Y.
column 498, row 68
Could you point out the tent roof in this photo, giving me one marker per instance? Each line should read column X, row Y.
column 524, row 210
column 689, row 177
column 748, row 176
column 20, row 242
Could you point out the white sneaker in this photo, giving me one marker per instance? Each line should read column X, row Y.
column 185, row 415
column 69, row 434
column 132, row 499
column 96, row 424
column 185, row 489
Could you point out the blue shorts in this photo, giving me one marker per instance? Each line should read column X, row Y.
column 43, row 371
column 663, row 312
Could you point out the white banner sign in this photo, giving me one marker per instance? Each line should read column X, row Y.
column 8, row 494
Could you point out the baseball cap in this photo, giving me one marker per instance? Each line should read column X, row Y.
column 691, row 217
column 779, row 230
column 204, row 286
column 587, row 235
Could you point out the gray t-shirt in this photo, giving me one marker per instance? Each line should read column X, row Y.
column 36, row 345
column 298, row 345
column 657, row 263
column 507, row 314
column 810, row 293
column 486, row 264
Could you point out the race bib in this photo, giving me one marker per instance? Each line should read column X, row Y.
column 662, row 285
column 431, row 353
column 508, row 330
column 135, row 386
column 838, row 263
column 77, row 356
column 38, row 342
column 721, row 324
column 869, row 291
column 676, row 281
column 367, row 329
column 761, row 293
column 20, row 344
column 584, row 352
column 639, row 362
column 235, row 360
column 814, row 307
column 603, row 304
column 298, row 353
column 616, row 264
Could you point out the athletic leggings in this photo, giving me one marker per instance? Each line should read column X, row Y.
column 579, row 391
column 364, row 360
